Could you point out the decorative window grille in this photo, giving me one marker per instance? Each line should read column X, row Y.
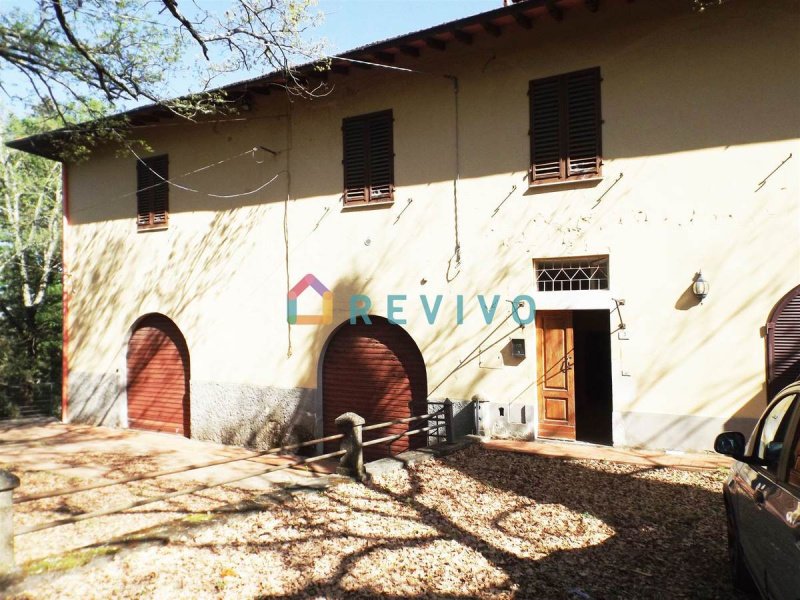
column 572, row 274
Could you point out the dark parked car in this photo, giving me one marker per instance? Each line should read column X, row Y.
column 762, row 499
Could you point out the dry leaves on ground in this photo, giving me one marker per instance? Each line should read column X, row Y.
column 476, row 524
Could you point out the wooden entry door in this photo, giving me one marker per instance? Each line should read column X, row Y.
column 556, row 374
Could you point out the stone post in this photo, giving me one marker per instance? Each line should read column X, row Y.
column 8, row 483
column 352, row 461
column 449, row 432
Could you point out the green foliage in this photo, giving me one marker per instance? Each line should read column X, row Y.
column 30, row 266
column 104, row 55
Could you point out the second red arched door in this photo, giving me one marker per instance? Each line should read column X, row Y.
column 158, row 377
column 378, row 372
column 783, row 343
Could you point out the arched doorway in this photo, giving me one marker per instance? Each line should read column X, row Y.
column 378, row 372
column 158, row 377
column 783, row 343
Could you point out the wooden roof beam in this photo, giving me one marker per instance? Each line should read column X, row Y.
column 492, row 28
column 384, row 57
column 523, row 20
column 321, row 75
column 340, row 69
column 462, row 36
column 410, row 51
column 435, row 43
column 554, row 10
column 264, row 90
column 144, row 120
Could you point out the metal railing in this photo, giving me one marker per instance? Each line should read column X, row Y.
column 351, row 464
column 22, row 401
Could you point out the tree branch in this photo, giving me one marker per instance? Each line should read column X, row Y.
column 172, row 7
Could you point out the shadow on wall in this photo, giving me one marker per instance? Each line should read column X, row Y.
column 438, row 346
column 187, row 276
column 742, row 420
column 709, row 94
column 687, row 299
column 723, row 308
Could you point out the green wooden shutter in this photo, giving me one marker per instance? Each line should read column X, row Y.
column 565, row 127
column 152, row 192
column 356, row 171
column 368, row 158
column 546, row 148
column 583, row 123
column 381, row 156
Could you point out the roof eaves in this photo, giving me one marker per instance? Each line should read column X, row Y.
column 44, row 144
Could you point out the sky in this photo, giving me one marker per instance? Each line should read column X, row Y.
column 346, row 24
column 352, row 23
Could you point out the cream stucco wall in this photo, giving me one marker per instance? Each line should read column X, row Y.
column 698, row 110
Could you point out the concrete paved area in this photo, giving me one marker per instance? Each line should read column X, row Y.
column 85, row 454
column 634, row 456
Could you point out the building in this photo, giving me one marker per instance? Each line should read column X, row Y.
column 592, row 158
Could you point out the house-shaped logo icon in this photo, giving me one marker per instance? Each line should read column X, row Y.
column 327, row 303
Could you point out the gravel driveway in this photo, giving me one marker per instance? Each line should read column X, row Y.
column 477, row 524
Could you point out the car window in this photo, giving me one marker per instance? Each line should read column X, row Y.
column 773, row 432
column 794, row 461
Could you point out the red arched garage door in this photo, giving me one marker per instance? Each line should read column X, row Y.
column 378, row 372
column 158, row 377
column 783, row 343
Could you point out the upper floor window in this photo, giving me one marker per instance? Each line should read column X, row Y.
column 565, row 127
column 152, row 192
column 368, row 158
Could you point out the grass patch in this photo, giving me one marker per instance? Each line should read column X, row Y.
column 198, row 518
column 70, row 560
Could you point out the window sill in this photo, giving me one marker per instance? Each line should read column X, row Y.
column 568, row 184
column 363, row 205
column 152, row 228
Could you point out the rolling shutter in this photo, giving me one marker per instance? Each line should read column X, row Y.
column 565, row 126
column 158, row 377
column 783, row 343
column 152, row 192
column 368, row 158
column 375, row 371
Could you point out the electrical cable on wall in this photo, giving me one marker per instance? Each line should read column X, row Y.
column 286, row 218
column 171, row 180
column 194, row 191
column 458, row 168
column 457, row 175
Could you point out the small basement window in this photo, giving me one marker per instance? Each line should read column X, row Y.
column 572, row 274
column 152, row 192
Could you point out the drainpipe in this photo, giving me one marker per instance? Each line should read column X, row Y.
column 64, row 293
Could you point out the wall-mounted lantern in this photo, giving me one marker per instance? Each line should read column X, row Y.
column 518, row 348
column 700, row 287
